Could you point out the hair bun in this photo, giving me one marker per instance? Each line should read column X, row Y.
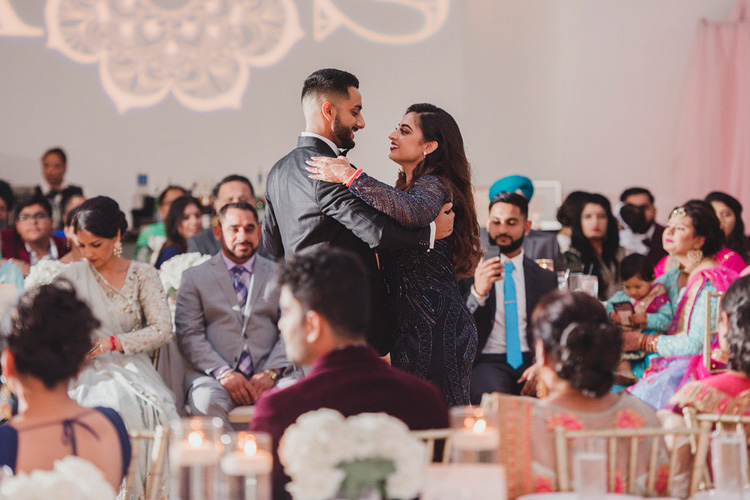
column 587, row 357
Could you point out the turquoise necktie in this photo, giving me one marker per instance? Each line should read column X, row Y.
column 512, row 342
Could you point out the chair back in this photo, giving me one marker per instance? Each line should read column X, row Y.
column 431, row 437
column 710, row 421
column 709, row 332
column 633, row 438
column 139, row 444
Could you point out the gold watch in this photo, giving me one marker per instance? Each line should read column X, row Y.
column 272, row 374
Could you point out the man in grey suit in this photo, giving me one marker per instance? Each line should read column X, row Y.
column 227, row 310
column 231, row 189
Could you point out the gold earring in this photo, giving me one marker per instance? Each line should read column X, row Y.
column 695, row 255
column 117, row 249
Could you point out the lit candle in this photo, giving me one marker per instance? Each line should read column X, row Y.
column 476, row 437
column 249, row 461
column 195, row 451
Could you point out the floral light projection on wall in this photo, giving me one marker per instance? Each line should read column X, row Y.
column 202, row 52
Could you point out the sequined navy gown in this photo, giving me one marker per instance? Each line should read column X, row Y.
column 434, row 334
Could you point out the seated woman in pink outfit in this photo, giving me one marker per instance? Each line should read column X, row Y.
column 728, row 392
column 577, row 351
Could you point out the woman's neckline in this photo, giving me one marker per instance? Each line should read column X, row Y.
column 105, row 280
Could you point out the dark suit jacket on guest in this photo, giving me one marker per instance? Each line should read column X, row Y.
column 13, row 246
column 303, row 213
column 656, row 250
column 538, row 283
column 351, row 380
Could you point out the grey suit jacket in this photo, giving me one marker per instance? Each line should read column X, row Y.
column 205, row 243
column 208, row 320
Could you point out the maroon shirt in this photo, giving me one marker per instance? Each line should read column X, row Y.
column 350, row 380
column 13, row 246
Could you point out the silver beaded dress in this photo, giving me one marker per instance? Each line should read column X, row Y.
column 434, row 334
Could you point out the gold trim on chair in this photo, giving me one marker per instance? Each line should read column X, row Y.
column 635, row 437
column 430, row 437
column 709, row 333
column 160, row 438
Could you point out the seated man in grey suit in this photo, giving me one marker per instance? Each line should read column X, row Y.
column 227, row 310
column 536, row 244
column 501, row 307
column 231, row 189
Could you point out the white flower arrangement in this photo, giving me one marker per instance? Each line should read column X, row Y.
column 323, row 449
column 72, row 478
column 171, row 270
column 43, row 273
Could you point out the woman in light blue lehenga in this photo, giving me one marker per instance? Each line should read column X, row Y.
column 693, row 235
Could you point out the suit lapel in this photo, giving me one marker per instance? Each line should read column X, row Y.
column 221, row 275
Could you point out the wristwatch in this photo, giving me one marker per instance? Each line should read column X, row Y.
column 272, row 374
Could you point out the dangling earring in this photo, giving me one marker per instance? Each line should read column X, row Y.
column 117, row 248
column 695, row 255
column 424, row 153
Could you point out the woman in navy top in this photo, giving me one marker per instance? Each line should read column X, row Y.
column 48, row 341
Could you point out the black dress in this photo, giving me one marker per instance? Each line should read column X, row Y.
column 434, row 334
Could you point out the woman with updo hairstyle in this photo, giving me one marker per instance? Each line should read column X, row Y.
column 728, row 392
column 47, row 342
column 577, row 352
column 128, row 300
column 692, row 238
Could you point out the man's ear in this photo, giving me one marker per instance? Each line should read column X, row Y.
column 8, row 363
column 217, row 232
column 328, row 111
column 313, row 326
column 528, row 228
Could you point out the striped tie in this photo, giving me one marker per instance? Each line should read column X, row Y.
column 239, row 286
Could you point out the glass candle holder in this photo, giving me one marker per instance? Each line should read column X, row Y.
column 194, row 454
column 475, row 437
column 246, row 465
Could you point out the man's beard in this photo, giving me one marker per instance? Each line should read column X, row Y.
column 344, row 134
column 252, row 251
column 510, row 248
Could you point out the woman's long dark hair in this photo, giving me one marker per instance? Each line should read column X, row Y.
column 611, row 241
column 736, row 240
column 174, row 218
column 448, row 162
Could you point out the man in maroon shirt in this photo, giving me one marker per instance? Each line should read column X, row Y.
column 325, row 310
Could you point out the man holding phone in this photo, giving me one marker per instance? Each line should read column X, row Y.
column 501, row 296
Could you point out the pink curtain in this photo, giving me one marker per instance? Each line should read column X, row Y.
column 713, row 148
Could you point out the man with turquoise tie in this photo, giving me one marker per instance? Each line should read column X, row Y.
column 502, row 307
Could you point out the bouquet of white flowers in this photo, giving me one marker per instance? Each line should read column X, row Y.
column 171, row 271
column 72, row 478
column 326, row 454
column 43, row 273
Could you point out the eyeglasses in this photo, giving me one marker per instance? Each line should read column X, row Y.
column 39, row 217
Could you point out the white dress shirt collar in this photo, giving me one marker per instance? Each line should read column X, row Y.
column 330, row 143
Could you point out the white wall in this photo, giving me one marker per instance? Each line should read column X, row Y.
column 582, row 91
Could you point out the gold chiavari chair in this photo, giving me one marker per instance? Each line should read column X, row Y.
column 634, row 438
column 431, row 437
column 709, row 332
column 159, row 438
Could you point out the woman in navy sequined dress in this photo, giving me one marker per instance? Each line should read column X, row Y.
column 434, row 335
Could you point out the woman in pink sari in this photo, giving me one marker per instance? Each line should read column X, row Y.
column 728, row 392
column 693, row 237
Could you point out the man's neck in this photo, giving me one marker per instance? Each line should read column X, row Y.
column 40, row 247
column 514, row 253
column 236, row 259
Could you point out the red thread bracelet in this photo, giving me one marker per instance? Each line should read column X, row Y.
column 113, row 339
column 356, row 174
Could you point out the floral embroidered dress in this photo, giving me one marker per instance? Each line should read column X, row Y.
column 434, row 334
column 527, row 445
column 658, row 310
column 680, row 350
column 126, row 381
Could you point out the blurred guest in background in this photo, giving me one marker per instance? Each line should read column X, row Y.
column 565, row 214
column 143, row 250
column 729, row 212
column 74, row 253
column 231, row 189
column 595, row 247
column 7, row 200
column 54, row 166
column 537, row 244
column 184, row 220
column 71, row 203
column 47, row 345
column 31, row 239
column 646, row 238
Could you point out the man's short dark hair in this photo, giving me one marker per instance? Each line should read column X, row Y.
column 332, row 282
column 634, row 191
column 514, row 199
column 329, row 82
column 34, row 200
column 233, row 178
column 240, row 205
column 171, row 187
